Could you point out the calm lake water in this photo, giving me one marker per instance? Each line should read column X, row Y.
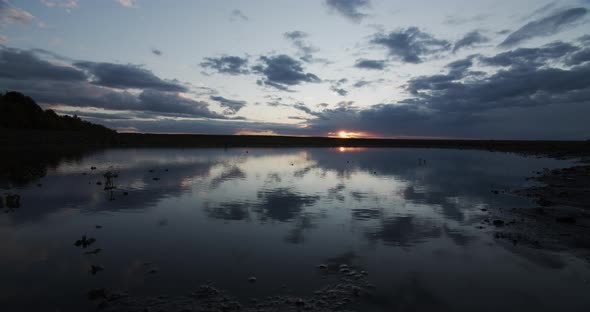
column 226, row 215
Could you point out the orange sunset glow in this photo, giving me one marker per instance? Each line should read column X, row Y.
column 343, row 134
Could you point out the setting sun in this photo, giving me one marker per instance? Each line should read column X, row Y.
column 344, row 134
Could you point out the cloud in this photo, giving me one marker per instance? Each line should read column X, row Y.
column 126, row 76
column 52, row 83
column 157, row 52
column 231, row 106
column 295, row 35
column 93, row 114
column 579, row 57
column 370, row 64
column 410, row 45
column 3, row 38
column 21, row 65
column 531, row 57
column 302, row 107
column 68, row 4
column 533, row 87
column 215, row 126
column 363, row 83
column 282, row 71
column 337, row 87
column 546, row 26
column 12, row 15
column 585, row 39
column 340, row 91
column 128, row 3
column 349, row 8
column 165, row 102
column 232, row 65
column 524, row 85
column 151, row 103
column 305, row 50
column 470, row 39
column 237, row 15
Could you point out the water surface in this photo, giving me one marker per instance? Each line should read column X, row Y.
column 197, row 215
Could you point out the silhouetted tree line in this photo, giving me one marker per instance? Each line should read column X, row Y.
column 18, row 111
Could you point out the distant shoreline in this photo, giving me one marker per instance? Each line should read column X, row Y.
column 16, row 138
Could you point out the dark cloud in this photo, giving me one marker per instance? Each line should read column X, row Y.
column 95, row 115
column 526, row 84
column 164, row 102
column 545, row 26
column 363, row 83
column 231, row 106
column 579, row 57
column 128, row 76
column 370, row 64
column 410, row 45
column 337, row 87
column 302, row 107
column 585, row 39
column 282, row 71
column 349, row 8
column 457, row 70
column 237, row 15
column 153, row 103
column 157, row 52
column 233, row 65
column 305, row 50
column 295, row 35
column 340, row 91
column 533, row 85
column 210, row 126
column 53, row 84
column 459, row 67
column 543, row 10
column 470, row 39
column 531, row 57
column 21, row 64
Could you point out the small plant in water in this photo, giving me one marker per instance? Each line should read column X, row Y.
column 109, row 183
column 84, row 242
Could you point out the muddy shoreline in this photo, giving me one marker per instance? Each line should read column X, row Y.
column 558, row 218
column 352, row 284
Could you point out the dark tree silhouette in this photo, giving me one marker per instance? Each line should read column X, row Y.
column 18, row 111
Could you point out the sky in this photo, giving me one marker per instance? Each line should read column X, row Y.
column 505, row 69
